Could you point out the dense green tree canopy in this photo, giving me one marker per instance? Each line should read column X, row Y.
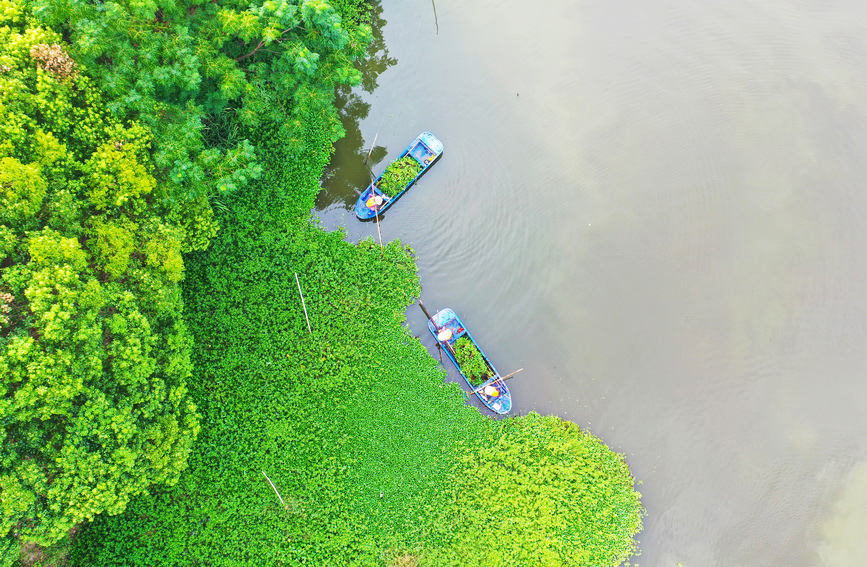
column 94, row 353
column 110, row 148
column 201, row 75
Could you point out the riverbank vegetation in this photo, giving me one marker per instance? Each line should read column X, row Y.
column 199, row 374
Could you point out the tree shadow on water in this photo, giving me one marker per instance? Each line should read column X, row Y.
column 350, row 169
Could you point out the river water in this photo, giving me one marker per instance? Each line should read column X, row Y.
column 658, row 209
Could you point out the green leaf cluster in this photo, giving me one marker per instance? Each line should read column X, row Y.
column 376, row 459
column 203, row 76
column 539, row 491
column 94, row 353
column 471, row 361
column 398, row 174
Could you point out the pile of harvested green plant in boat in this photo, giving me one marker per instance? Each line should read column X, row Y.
column 398, row 175
column 471, row 361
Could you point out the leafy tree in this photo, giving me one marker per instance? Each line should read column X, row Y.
column 94, row 353
column 203, row 75
column 22, row 189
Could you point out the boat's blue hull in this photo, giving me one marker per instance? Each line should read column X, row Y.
column 426, row 149
column 448, row 319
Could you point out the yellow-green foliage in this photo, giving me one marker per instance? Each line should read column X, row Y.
column 539, row 491
column 116, row 174
column 93, row 352
column 22, row 189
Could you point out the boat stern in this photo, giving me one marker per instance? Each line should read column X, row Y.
column 502, row 405
column 426, row 149
column 444, row 317
column 362, row 211
column 432, row 142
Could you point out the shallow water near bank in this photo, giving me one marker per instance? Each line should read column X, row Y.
column 657, row 209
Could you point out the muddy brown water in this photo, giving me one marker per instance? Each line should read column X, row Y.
column 659, row 210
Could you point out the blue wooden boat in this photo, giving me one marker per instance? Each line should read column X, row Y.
column 447, row 328
column 426, row 150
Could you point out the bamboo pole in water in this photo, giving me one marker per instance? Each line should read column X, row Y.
column 379, row 232
column 373, row 145
column 373, row 196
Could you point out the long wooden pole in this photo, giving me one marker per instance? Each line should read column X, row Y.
column 303, row 304
column 376, row 212
column 373, row 145
column 430, row 318
column 426, row 314
column 424, row 309
column 275, row 490
column 373, row 195
column 503, row 378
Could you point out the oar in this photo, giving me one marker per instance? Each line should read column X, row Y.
column 488, row 382
column 375, row 206
column 424, row 309
column 430, row 318
column 379, row 232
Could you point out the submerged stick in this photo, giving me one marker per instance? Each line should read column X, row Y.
column 373, row 145
column 303, row 304
column 275, row 490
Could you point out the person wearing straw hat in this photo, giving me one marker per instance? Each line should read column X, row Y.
column 375, row 201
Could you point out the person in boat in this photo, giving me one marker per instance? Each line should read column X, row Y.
column 375, row 201
column 490, row 391
column 444, row 335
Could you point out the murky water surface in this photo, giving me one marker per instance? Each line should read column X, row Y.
column 659, row 209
